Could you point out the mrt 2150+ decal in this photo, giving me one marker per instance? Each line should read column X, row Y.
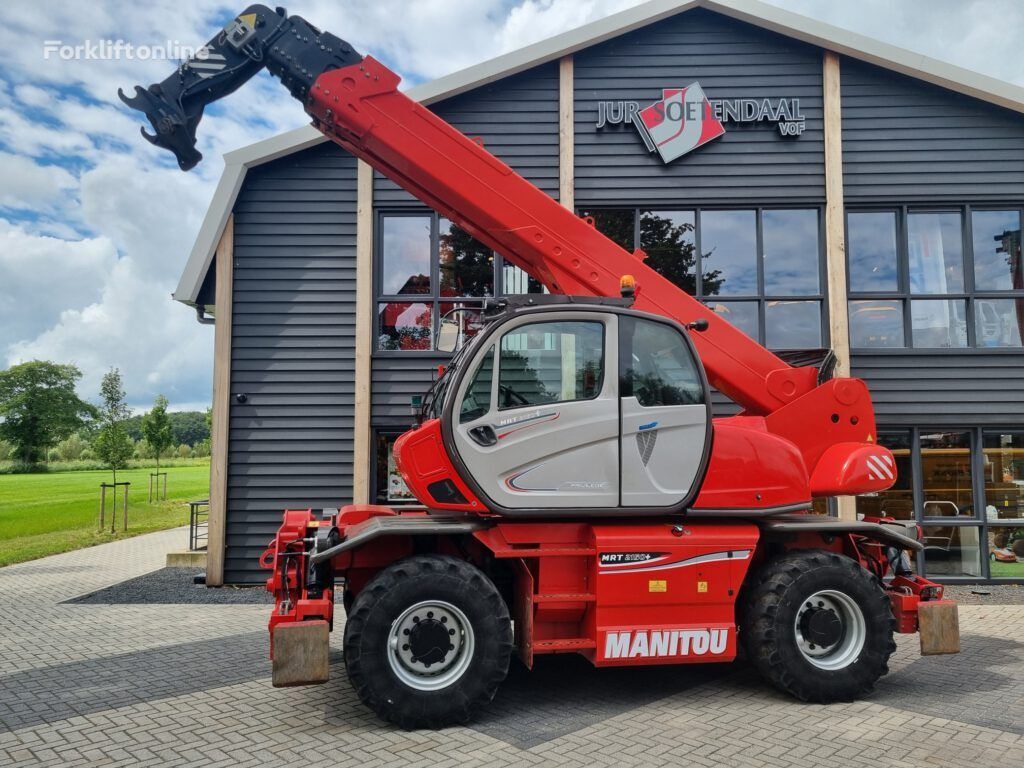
column 685, row 118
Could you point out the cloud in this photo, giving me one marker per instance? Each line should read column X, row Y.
column 30, row 186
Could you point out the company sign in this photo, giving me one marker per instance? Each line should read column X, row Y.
column 685, row 118
column 665, row 644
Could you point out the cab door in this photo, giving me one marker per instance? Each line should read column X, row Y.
column 538, row 415
column 665, row 414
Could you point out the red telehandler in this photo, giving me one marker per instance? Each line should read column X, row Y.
column 578, row 495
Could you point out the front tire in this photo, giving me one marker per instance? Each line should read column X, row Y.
column 819, row 627
column 427, row 642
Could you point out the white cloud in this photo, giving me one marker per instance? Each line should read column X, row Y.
column 30, row 186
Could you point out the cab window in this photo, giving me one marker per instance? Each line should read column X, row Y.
column 550, row 363
column 656, row 366
column 477, row 400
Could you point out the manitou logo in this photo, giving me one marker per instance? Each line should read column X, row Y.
column 650, row 644
column 685, row 118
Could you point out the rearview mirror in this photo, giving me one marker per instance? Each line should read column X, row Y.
column 448, row 335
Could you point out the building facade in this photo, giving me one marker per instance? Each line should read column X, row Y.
column 817, row 189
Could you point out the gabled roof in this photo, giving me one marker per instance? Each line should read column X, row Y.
column 752, row 12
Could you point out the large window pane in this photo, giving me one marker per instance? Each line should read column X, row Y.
column 391, row 488
column 477, row 400
column 897, row 501
column 551, row 362
column 997, row 256
column 792, row 324
column 935, row 252
column 728, row 243
column 466, row 265
column 405, row 255
column 615, row 224
column 741, row 314
column 876, row 323
column 404, row 325
column 871, row 243
column 1006, row 552
column 937, row 323
column 951, row 550
column 1004, row 477
column 999, row 322
column 791, row 254
column 667, row 238
column 946, row 471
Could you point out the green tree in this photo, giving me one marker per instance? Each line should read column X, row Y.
column 112, row 445
column 39, row 407
column 71, row 447
column 156, row 427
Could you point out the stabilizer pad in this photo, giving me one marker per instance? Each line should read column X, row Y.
column 301, row 653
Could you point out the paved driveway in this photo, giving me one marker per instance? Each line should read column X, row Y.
column 93, row 683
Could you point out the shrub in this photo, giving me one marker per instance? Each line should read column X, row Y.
column 184, row 452
column 6, row 449
column 71, row 448
column 53, row 455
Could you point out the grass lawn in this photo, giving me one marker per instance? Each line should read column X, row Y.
column 42, row 514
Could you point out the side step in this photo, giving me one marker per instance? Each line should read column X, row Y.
column 568, row 644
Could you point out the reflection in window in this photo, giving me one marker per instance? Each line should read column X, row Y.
column 871, row 244
column 728, row 243
column 1004, row 477
column 667, row 239
column 791, row 254
column 516, row 281
column 740, row 314
column 938, row 323
column 999, row 322
column 391, row 488
column 551, row 362
column 946, row 474
column 655, row 365
column 1006, row 552
column 466, row 264
column 792, row 324
column 898, row 501
column 935, row 252
column 876, row 323
column 615, row 224
column 997, row 250
column 404, row 325
column 951, row 550
column 405, row 255
column 477, row 400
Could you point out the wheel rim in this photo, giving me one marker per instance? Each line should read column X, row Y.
column 430, row 645
column 830, row 629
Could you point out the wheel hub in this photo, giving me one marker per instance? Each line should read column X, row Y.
column 430, row 645
column 830, row 630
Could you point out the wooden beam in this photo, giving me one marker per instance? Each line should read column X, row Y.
column 566, row 135
column 221, row 406
column 835, row 234
column 364, row 325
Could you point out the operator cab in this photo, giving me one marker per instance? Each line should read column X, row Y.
column 579, row 404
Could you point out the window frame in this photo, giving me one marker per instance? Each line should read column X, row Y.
column 762, row 299
column 970, row 295
column 434, row 298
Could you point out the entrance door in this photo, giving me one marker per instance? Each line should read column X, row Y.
column 665, row 418
column 539, row 417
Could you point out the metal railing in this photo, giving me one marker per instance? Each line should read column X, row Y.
column 198, row 524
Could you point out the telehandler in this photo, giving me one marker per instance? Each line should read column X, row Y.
column 578, row 496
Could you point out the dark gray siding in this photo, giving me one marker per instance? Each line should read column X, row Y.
column 966, row 389
column 730, row 60
column 518, row 120
column 293, row 345
column 906, row 141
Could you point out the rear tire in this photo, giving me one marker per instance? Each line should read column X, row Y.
column 427, row 642
column 819, row 627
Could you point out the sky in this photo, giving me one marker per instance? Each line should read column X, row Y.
column 96, row 224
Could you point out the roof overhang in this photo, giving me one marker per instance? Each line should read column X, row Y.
column 752, row 12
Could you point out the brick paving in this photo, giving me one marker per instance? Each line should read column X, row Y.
column 127, row 683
